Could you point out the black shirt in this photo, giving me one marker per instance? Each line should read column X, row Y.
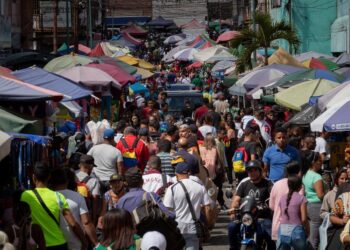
column 260, row 191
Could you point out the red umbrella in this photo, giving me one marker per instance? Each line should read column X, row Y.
column 97, row 51
column 4, row 70
column 195, row 65
column 227, row 36
column 115, row 71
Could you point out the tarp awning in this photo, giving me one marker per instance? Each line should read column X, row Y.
column 16, row 90
column 10, row 122
column 42, row 78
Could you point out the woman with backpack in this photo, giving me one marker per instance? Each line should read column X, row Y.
column 118, row 231
column 294, row 225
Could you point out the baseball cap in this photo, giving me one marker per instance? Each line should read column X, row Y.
column 87, row 159
column 79, row 138
column 182, row 168
column 115, row 177
column 133, row 176
column 108, row 133
column 153, row 239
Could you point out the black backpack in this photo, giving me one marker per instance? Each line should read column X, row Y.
column 149, row 217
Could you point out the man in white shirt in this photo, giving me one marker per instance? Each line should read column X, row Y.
column 322, row 147
column 207, row 127
column 264, row 127
column 153, row 179
column 108, row 159
column 175, row 199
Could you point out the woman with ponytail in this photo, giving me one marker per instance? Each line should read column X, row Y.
column 294, row 226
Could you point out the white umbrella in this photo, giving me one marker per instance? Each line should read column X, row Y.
column 168, row 57
column 222, row 56
column 222, row 65
column 5, row 144
column 174, row 39
column 207, row 53
column 186, row 54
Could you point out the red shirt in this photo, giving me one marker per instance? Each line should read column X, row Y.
column 141, row 150
column 201, row 111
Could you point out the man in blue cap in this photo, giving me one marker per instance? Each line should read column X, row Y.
column 107, row 158
column 175, row 199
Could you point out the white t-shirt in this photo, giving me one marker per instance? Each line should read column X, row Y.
column 206, row 129
column 152, row 182
column 322, row 147
column 78, row 207
column 265, row 130
column 175, row 198
column 105, row 157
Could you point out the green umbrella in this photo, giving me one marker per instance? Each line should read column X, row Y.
column 229, row 80
column 303, row 75
column 67, row 61
column 13, row 123
column 268, row 98
column 113, row 61
column 298, row 95
column 328, row 63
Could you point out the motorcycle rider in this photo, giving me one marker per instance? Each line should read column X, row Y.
column 258, row 187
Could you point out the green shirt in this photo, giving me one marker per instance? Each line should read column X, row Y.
column 52, row 232
column 136, row 246
column 309, row 179
column 197, row 82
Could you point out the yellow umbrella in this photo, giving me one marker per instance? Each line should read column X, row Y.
column 283, row 57
column 145, row 65
column 144, row 73
column 128, row 59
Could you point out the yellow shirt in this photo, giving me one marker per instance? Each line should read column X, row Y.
column 52, row 232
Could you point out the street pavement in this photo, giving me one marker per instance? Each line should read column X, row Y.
column 219, row 238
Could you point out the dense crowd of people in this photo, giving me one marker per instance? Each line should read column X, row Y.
column 180, row 166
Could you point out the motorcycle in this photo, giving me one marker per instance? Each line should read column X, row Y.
column 246, row 216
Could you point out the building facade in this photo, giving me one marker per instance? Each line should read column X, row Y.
column 311, row 19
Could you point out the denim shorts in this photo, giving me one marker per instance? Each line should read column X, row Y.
column 291, row 236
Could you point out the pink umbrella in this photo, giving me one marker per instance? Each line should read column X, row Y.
column 227, row 36
column 114, row 71
column 89, row 76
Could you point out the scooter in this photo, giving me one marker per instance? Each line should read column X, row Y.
column 246, row 216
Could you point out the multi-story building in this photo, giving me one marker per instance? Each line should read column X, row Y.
column 340, row 40
column 311, row 19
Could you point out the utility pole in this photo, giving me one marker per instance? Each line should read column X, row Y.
column 67, row 24
column 55, row 13
column 90, row 24
column 290, row 22
column 254, row 26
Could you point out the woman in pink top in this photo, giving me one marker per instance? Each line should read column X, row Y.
column 279, row 189
column 294, row 224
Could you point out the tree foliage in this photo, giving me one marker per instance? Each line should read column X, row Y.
column 266, row 31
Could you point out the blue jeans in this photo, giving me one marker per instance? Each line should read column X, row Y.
column 192, row 241
column 296, row 240
column 263, row 231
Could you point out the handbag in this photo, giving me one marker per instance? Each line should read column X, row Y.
column 323, row 232
column 202, row 230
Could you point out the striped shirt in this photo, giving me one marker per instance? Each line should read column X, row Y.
column 167, row 168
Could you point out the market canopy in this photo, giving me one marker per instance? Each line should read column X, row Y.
column 114, row 61
column 114, row 71
column 110, row 48
column 144, row 73
column 135, row 29
column 310, row 54
column 304, row 75
column 320, row 63
column 343, row 59
column 222, row 65
column 128, row 59
column 334, row 119
column 304, row 117
column 339, row 93
column 16, row 90
column 261, row 77
column 160, row 21
column 89, row 76
column 13, row 123
column 42, row 78
column 5, row 144
column 97, row 51
column 169, row 57
column 185, row 55
column 25, row 59
column 67, row 61
column 297, row 96
column 283, row 57
column 174, row 38
column 206, row 54
column 82, row 49
column 227, row 36
column 193, row 24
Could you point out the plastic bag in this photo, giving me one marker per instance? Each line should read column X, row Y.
column 323, row 232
